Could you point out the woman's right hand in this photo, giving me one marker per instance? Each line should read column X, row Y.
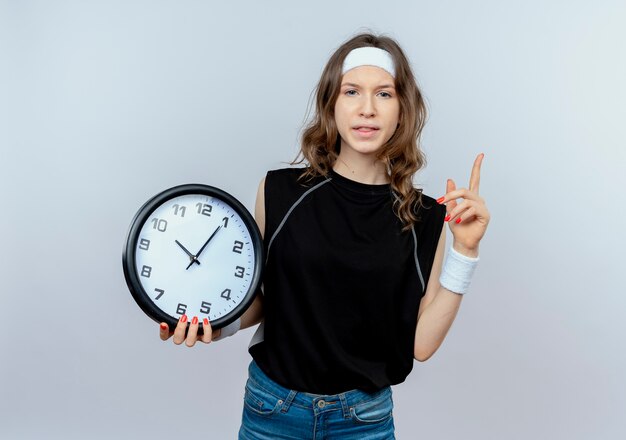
column 192, row 334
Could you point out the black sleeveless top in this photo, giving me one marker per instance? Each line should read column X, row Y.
column 342, row 283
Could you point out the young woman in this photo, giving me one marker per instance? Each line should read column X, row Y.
column 355, row 287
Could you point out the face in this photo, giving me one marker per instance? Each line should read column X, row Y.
column 367, row 110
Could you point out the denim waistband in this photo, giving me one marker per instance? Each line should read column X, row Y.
column 309, row 400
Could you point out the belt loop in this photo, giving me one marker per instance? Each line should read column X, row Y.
column 344, row 406
column 287, row 404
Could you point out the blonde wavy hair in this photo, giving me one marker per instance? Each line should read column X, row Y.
column 401, row 153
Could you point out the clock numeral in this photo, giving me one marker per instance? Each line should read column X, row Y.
column 160, row 293
column 204, row 209
column 181, row 309
column 159, row 225
column 146, row 271
column 226, row 294
column 144, row 244
column 178, row 208
column 206, row 307
column 225, row 221
column 239, row 271
column 238, row 247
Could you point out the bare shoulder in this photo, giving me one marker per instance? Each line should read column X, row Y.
column 259, row 207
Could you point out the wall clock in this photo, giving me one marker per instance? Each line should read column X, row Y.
column 195, row 250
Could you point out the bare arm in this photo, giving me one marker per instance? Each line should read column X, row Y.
column 254, row 314
column 468, row 222
column 438, row 310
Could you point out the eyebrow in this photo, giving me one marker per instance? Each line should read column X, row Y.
column 382, row 86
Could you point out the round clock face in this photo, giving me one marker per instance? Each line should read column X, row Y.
column 193, row 250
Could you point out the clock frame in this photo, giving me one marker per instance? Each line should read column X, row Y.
column 134, row 245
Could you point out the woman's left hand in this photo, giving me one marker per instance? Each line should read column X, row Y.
column 468, row 219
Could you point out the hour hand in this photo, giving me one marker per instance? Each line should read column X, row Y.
column 192, row 257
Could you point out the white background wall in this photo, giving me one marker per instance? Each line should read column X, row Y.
column 104, row 104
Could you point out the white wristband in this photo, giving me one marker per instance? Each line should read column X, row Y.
column 457, row 271
column 230, row 329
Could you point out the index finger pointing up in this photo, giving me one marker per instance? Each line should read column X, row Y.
column 475, row 177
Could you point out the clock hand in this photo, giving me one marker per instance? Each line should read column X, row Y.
column 192, row 257
column 204, row 245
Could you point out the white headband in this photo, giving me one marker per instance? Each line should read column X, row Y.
column 369, row 56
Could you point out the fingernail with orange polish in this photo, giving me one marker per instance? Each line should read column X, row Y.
column 458, row 220
column 163, row 326
column 183, row 318
column 440, row 200
column 205, row 321
column 194, row 320
column 447, row 219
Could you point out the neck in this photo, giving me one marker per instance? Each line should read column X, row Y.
column 361, row 169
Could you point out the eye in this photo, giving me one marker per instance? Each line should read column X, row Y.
column 350, row 92
column 385, row 94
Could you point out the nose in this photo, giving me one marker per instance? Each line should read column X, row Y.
column 368, row 107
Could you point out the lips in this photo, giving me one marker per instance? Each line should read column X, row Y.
column 365, row 131
column 365, row 128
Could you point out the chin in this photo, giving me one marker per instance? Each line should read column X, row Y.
column 365, row 149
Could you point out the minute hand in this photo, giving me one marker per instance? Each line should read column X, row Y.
column 204, row 245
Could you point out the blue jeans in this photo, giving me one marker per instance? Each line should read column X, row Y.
column 272, row 412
